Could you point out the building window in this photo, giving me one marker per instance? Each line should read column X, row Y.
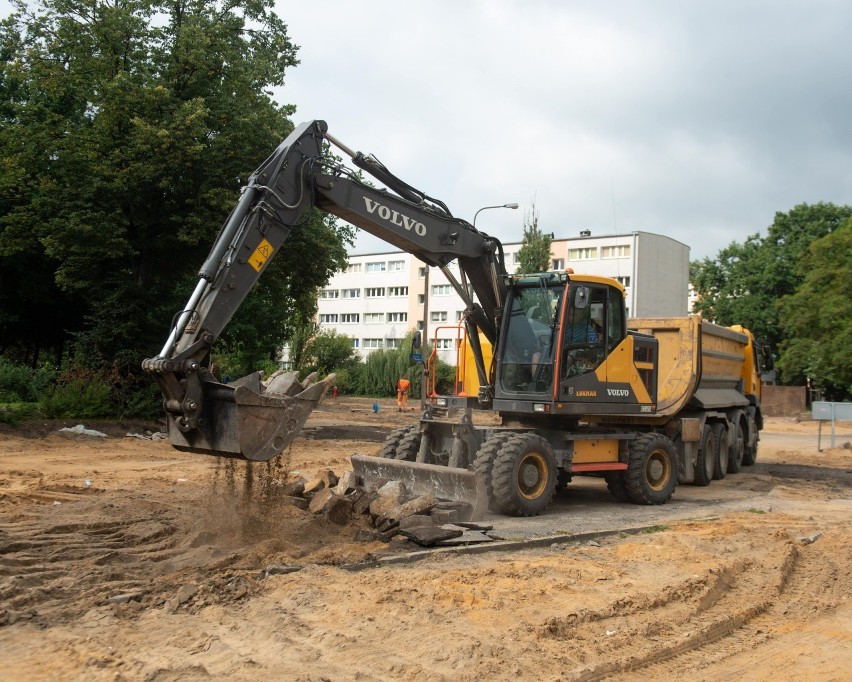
column 445, row 344
column 379, row 266
column 328, row 319
column 585, row 253
column 397, row 291
column 349, row 318
column 438, row 316
column 353, row 267
column 374, row 318
column 393, row 343
column 356, row 343
column 623, row 281
column 374, row 292
column 396, row 265
column 420, row 325
column 373, row 343
column 441, row 289
column 617, row 251
column 558, row 263
column 351, row 293
column 421, row 272
column 459, row 315
column 421, row 299
column 329, row 294
column 397, row 317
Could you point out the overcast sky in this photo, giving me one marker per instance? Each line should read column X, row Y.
column 696, row 120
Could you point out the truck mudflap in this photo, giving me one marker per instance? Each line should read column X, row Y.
column 248, row 420
column 462, row 486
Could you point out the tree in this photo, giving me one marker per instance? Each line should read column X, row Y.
column 817, row 318
column 328, row 351
column 128, row 128
column 534, row 254
column 743, row 284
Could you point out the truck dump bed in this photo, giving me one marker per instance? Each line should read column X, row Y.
column 700, row 363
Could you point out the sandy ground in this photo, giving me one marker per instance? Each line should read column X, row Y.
column 746, row 579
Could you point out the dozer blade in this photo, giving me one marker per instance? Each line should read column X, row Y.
column 239, row 420
column 445, row 483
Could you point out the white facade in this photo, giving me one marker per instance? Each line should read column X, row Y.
column 382, row 296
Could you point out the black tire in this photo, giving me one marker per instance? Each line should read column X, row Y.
column 409, row 445
column 391, row 443
column 484, row 463
column 705, row 464
column 722, row 453
column 651, row 475
column 617, row 486
column 735, row 462
column 524, row 475
column 750, row 447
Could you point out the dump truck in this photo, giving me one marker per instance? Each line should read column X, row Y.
column 569, row 387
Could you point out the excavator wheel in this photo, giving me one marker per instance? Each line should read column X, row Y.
column 391, row 443
column 706, row 464
column 651, row 475
column 735, row 461
column 484, row 463
column 409, row 445
column 722, row 453
column 524, row 475
column 617, row 486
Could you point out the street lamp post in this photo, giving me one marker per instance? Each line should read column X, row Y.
column 485, row 208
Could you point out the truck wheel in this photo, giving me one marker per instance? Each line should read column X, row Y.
column 409, row 445
column 750, row 448
column 722, row 452
column 706, row 464
column 735, row 462
column 484, row 463
column 391, row 443
column 524, row 475
column 617, row 486
column 651, row 475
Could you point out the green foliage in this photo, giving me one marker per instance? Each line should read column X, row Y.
column 79, row 398
column 14, row 413
column 817, row 318
column 791, row 297
column 126, row 130
column 534, row 254
column 328, row 351
column 23, row 384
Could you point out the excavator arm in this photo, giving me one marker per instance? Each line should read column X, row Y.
column 245, row 418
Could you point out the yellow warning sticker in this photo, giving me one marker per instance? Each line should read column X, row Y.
column 261, row 254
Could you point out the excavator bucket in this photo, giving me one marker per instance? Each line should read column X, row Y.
column 248, row 419
column 463, row 487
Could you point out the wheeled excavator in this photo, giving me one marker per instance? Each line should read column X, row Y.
column 577, row 391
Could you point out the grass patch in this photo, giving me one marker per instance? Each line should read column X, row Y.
column 654, row 529
column 754, row 510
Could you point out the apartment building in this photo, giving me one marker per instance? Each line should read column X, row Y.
column 382, row 296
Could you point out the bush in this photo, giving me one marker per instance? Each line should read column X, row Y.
column 19, row 383
column 18, row 412
column 81, row 397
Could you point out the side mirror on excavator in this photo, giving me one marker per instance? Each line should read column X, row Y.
column 416, row 340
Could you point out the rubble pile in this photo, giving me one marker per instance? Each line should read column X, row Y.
column 392, row 511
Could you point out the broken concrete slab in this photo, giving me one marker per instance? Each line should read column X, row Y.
column 319, row 500
column 299, row 502
column 347, row 481
column 362, row 504
column 418, row 505
column 468, row 537
column 415, row 521
column 278, row 569
column 389, row 496
column 337, row 509
column 426, row 536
